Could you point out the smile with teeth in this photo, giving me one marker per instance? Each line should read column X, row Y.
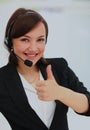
column 31, row 56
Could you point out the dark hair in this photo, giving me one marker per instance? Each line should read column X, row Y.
column 21, row 22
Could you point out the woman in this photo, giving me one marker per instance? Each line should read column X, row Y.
column 35, row 93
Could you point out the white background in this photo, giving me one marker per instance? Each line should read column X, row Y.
column 69, row 37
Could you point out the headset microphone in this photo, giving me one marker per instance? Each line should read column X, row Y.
column 26, row 62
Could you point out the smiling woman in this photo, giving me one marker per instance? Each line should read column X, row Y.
column 37, row 96
column 31, row 46
column 17, row 31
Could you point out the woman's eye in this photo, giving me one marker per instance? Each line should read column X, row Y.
column 41, row 40
column 24, row 40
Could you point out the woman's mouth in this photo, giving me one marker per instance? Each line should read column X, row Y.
column 31, row 56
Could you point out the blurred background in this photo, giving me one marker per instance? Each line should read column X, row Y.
column 69, row 37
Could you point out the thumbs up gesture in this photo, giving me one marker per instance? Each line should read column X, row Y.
column 47, row 90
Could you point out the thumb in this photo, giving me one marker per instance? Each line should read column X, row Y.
column 49, row 72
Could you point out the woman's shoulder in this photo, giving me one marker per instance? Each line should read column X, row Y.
column 6, row 70
column 59, row 62
column 3, row 68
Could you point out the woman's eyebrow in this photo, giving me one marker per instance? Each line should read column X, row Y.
column 37, row 37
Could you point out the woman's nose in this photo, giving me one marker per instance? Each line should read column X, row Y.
column 32, row 46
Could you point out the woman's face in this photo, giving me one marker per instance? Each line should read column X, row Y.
column 31, row 46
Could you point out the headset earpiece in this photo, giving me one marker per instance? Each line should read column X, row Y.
column 6, row 41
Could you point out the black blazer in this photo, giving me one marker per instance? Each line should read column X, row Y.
column 14, row 104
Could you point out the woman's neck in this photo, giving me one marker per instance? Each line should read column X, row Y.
column 31, row 74
column 24, row 69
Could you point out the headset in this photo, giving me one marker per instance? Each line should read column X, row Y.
column 7, row 40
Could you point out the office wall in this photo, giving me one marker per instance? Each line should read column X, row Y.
column 69, row 37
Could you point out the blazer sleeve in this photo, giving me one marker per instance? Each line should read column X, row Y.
column 69, row 79
column 76, row 85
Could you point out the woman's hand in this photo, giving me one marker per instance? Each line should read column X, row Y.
column 47, row 90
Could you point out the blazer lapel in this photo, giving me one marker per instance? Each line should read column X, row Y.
column 17, row 93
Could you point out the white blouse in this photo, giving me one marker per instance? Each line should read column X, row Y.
column 44, row 109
